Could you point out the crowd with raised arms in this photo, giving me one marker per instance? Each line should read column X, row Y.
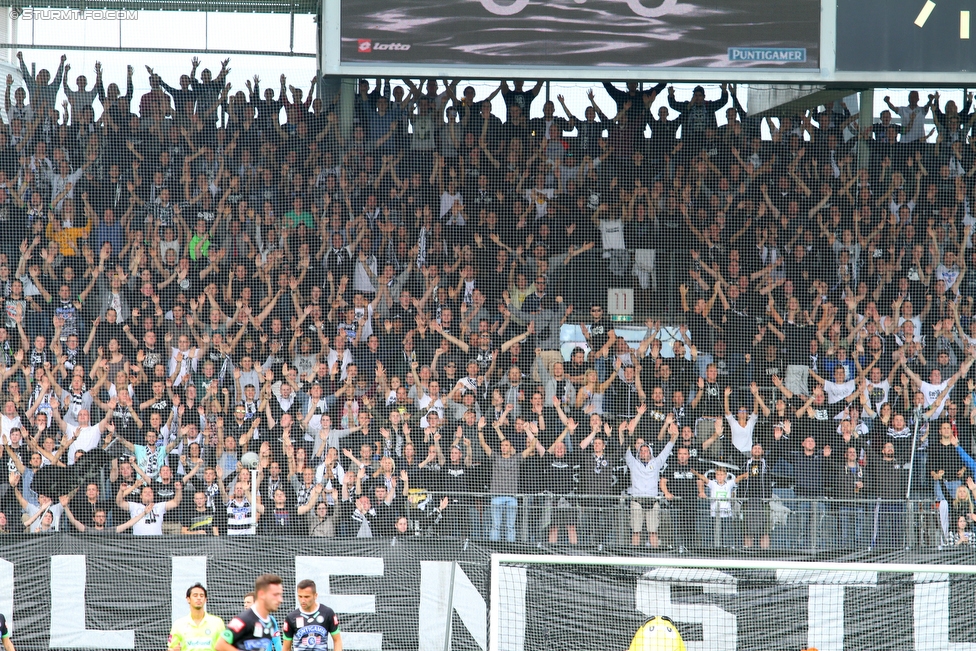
column 378, row 303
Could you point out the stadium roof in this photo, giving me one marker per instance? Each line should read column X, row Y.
column 232, row 6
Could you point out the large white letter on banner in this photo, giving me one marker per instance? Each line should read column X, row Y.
column 718, row 626
column 438, row 603
column 321, row 568
column 68, row 577
column 825, row 603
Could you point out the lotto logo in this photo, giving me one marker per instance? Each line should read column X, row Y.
column 366, row 46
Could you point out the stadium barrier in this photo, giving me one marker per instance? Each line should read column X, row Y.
column 428, row 594
column 78, row 592
column 795, row 524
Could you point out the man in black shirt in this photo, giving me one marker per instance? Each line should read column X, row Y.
column 944, row 465
column 755, row 485
column 256, row 629
column 601, row 339
column 308, row 626
column 679, row 480
column 85, row 506
column 457, row 476
column 519, row 97
column 888, row 481
column 560, row 483
column 708, row 408
column 596, row 478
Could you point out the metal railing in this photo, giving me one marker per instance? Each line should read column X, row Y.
column 786, row 523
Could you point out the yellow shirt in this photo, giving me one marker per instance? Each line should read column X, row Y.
column 67, row 238
column 188, row 636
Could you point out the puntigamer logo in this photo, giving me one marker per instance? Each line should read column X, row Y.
column 367, row 45
column 768, row 54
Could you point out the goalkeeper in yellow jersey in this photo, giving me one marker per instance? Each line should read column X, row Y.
column 198, row 631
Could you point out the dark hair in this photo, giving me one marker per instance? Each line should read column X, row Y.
column 194, row 587
column 304, row 584
column 265, row 580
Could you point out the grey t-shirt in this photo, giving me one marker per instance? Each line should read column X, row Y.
column 504, row 474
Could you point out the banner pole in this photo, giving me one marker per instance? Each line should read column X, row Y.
column 448, row 633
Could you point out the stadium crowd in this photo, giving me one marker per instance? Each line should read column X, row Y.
column 378, row 314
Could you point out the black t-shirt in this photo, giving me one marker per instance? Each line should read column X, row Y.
column 700, row 330
column 522, row 99
column 797, row 342
column 125, row 424
column 560, row 474
column 682, row 483
column 758, row 483
column 740, row 327
column 310, row 631
column 711, row 401
column 160, row 406
column 249, row 632
column 456, row 478
column 153, row 356
column 280, row 520
column 599, row 334
column 484, row 357
column 164, row 493
column 532, row 475
column 944, row 457
column 195, row 520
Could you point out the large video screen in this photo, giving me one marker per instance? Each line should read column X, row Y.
column 779, row 34
column 906, row 35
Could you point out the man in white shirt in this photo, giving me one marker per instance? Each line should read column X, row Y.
column 34, row 513
column 84, row 436
column 9, row 420
column 840, row 389
column 151, row 523
column 879, row 386
column 912, row 116
column 934, row 388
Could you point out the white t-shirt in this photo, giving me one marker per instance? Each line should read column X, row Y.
column 837, row 392
column 947, row 275
column 151, row 523
column 931, row 393
column 917, row 130
column 742, row 436
column 540, row 197
column 55, row 508
column 344, row 361
column 368, row 324
column 612, row 234
column 895, row 207
column 361, row 281
column 329, row 480
column 878, row 393
column 721, row 495
column 448, row 201
column 85, row 439
column 7, row 424
column 186, row 366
